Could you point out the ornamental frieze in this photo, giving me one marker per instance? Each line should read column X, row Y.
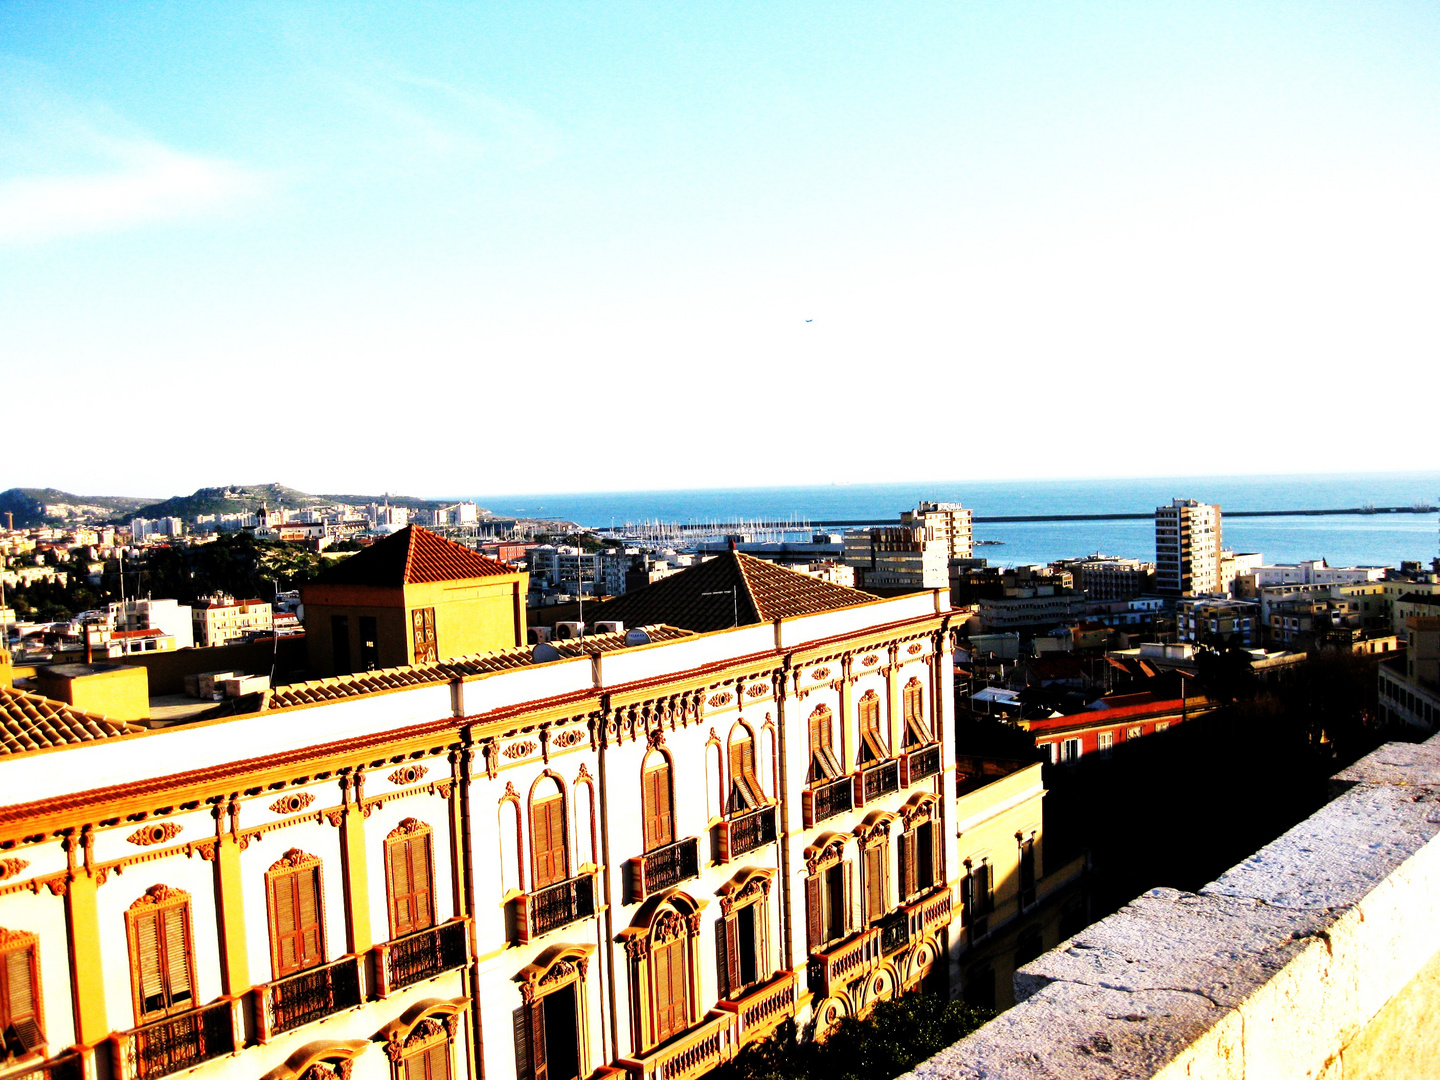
column 292, row 803
column 407, row 774
column 155, row 833
column 568, row 737
column 9, row 868
column 717, row 700
column 517, row 750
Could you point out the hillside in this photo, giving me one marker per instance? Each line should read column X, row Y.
column 243, row 498
column 47, row 506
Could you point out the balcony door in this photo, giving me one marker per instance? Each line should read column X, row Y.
column 672, row 1003
column 658, row 799
column 547, row 837
column 562, row 1034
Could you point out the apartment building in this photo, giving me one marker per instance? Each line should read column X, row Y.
column 1409, row 684
column 631, row 854
column 947, row 524
column 1187, row 548
column 1209, row 619
column 219, row 620
column 1112, row 577
column 916, row 554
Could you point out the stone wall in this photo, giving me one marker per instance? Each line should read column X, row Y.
column 1318, row 956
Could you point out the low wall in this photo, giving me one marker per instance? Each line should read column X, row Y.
column 167, row 670
column 1318, row 956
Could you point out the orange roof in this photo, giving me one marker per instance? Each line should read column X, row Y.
column 32, row 722
column 412, row 556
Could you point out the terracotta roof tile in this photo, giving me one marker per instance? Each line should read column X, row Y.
column 412, row 556
column 456, row 667
column 700, row 598
column 31, row 722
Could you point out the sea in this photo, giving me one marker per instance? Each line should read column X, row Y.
column 1361, row 539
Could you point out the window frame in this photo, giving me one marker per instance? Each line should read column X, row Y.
column 870, row 724
column 746, row 791
column 158, row 902
column 410, row 832
column 746, row 891
column 657, row 819
column 823, row 764
column 917, row 731
column 558, row 796
column 830, row 873
column 12, row 943
column 291, row 866
column 424, row 638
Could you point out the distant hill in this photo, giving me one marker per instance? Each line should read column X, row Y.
column 47, row 506
column 244, row 498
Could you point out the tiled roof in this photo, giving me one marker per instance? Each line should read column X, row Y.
column 31, row 722
column 456, row 667
column 700, row 598
column 411, row 556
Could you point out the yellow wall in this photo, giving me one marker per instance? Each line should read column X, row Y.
column 121, row 691
column 479, row 615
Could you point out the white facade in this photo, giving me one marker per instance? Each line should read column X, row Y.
column 1187, row 548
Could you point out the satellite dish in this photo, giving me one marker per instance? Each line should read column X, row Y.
column 636, row 637
column 544, row 653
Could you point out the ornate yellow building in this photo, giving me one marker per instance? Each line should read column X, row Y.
column 635, row 857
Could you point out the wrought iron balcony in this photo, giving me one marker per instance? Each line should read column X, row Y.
column 894, row 932
column 175, row 1043
column 660, row 869
column 826, row 799
column 761, row 1010
column 422, row 955
column 831, row 969
column 710, row 1043
column 552, row 907
column 873, row 781
column 918, row 764
column 297, row 1000
column 751, row 830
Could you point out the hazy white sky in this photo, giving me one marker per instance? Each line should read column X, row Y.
column 528, row 247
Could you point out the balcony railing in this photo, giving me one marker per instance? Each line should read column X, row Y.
column 830, row 969
column 826, row 799
column 894, row 932
column 877, row 780
column 735, row 836
column 662, row 868
column 175, row 1043
column 69, row 1067
column 929, row 912
column 552, row 907
column 709, row 1044
column 918, row 764
column 764, row 1008
column 296, row 1000
column 423, row 955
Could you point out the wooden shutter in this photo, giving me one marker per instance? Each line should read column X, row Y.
column 814, row 912
column 307, row 905
column 296, row 926
column 148, row 970
column 411, row 886
column 659, row 817
column 540, row 1068
column 937, row 854
column 520, row 1020
column 925, row 855
column 176, row 923
column 908, row 867
column 547, row 837
column 732, row 953
column 848, row 908
column 18, row 996
column 426, row 648
column 671, row 999
column 283, row 923
column 874, row 882
column 437, row 1060
column 744, row 787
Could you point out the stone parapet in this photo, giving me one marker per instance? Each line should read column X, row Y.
column 1312, row 958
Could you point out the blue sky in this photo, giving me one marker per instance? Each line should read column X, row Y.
column 520, row 247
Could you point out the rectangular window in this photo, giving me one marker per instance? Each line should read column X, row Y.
column 742, row 949
column 340, row 643
column 658, row 805
column 671, row 999
column 1134, row 732
column 745, row 792
column 1105, row 742
column 20, row 997
column 872, row 743
column 826, row 900
column 547, row 838
column 1163, row 725
column 875, row 890
column 1070, row 751
column 823, row 765
column 430, row 1062
column 975, row 895
column 410, row 882
column 369, row 643
column 427, row 649
column 162, row 965
column 297, row 937
column 917, row 731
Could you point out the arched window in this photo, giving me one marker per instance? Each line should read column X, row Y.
column 548, row 860
column 872, row 740
column 658, row 801
column 823, row 765
column 917, row 731
column 745, row 791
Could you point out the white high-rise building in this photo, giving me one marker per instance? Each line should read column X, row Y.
column 947, row 524
column 1187, row 548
